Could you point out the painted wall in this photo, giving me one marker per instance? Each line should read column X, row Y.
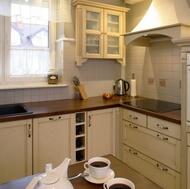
column 97, row 76
column 157, row 69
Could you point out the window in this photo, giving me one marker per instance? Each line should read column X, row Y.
column 29, row 50
column 27, row 38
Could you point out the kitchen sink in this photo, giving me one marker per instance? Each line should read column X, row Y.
column 13, row 109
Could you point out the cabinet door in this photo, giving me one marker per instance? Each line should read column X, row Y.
column 15, row 150
column 113, row 41
column 52, row 141
column 100, row 132
column 92, row 32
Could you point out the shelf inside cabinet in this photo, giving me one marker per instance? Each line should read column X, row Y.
column 80, row 136
column 80, row 117
column 80, row 155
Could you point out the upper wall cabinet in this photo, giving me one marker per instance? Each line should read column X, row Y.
column 99, row 29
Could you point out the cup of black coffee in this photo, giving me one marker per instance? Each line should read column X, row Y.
column 119, row 183
column 98, row 167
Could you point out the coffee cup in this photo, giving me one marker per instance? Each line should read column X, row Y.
column 98, row 167
column 122, row 183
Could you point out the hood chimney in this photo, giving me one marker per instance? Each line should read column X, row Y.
column 169, row 18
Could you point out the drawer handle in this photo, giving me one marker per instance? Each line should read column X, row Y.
column 133, row 126
column 162, row 127
column 162, row 138
column 132, row 152
column 54, row 118
column 133, row 117
column 29, row 130
column 161, row 168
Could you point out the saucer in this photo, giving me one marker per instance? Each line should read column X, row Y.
column 91, row 179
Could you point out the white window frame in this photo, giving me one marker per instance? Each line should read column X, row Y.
column 5, row 37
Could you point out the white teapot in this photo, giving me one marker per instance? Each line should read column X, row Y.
column 53, row 179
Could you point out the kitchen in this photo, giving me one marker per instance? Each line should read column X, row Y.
column 164, row 85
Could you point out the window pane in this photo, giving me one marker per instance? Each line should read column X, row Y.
column 29, row 53
column 29, row 28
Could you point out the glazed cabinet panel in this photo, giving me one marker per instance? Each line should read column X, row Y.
column 15, row 150
column 99, row 29
column 52, row 141
column 101, row 132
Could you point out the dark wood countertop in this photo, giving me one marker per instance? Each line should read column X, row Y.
column 120, row 169
column 57, row 107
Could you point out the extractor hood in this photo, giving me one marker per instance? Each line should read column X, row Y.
column 164, row 19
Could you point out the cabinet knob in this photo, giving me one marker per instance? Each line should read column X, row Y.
column 133, row 126
column 54, row 118
column 89, row 121
column 132, row 152
column 133, row 117
column 29, row 130
column 161, row 137
column 162, row 127
column 161, row 168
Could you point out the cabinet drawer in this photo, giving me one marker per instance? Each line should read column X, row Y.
column 165, row 127
column 153, row 144
column 135, row 117
column 153, row 170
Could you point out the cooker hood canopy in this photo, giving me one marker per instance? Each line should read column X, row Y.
column 164, row 19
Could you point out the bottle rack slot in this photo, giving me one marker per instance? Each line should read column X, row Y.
column 80, row 136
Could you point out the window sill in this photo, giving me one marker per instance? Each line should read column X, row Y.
column 32, row 86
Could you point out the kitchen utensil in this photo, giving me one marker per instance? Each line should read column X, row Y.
column 79, row 175
column 53, row 179
column 121, row 87
column 76, row 81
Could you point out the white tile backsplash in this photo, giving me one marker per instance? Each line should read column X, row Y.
column 96, row 75
column 160, row 61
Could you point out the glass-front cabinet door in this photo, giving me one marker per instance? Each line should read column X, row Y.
column 93, row 30
column 113, row 29
column 99, row 32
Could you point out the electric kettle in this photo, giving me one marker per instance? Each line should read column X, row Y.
column 121, row 87
column 53, row 179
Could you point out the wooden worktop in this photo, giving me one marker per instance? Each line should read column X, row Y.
column 56, row 107
column 120, row 169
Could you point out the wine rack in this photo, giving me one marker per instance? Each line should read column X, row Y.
column 80, row 136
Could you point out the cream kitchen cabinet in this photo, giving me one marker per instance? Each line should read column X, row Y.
column 99, row 29
column 152, row 147
column 51, row 141
column 101, row 132
column 15, row 150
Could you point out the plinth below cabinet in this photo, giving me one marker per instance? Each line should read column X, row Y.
column 99, row 29
column 51, row 142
